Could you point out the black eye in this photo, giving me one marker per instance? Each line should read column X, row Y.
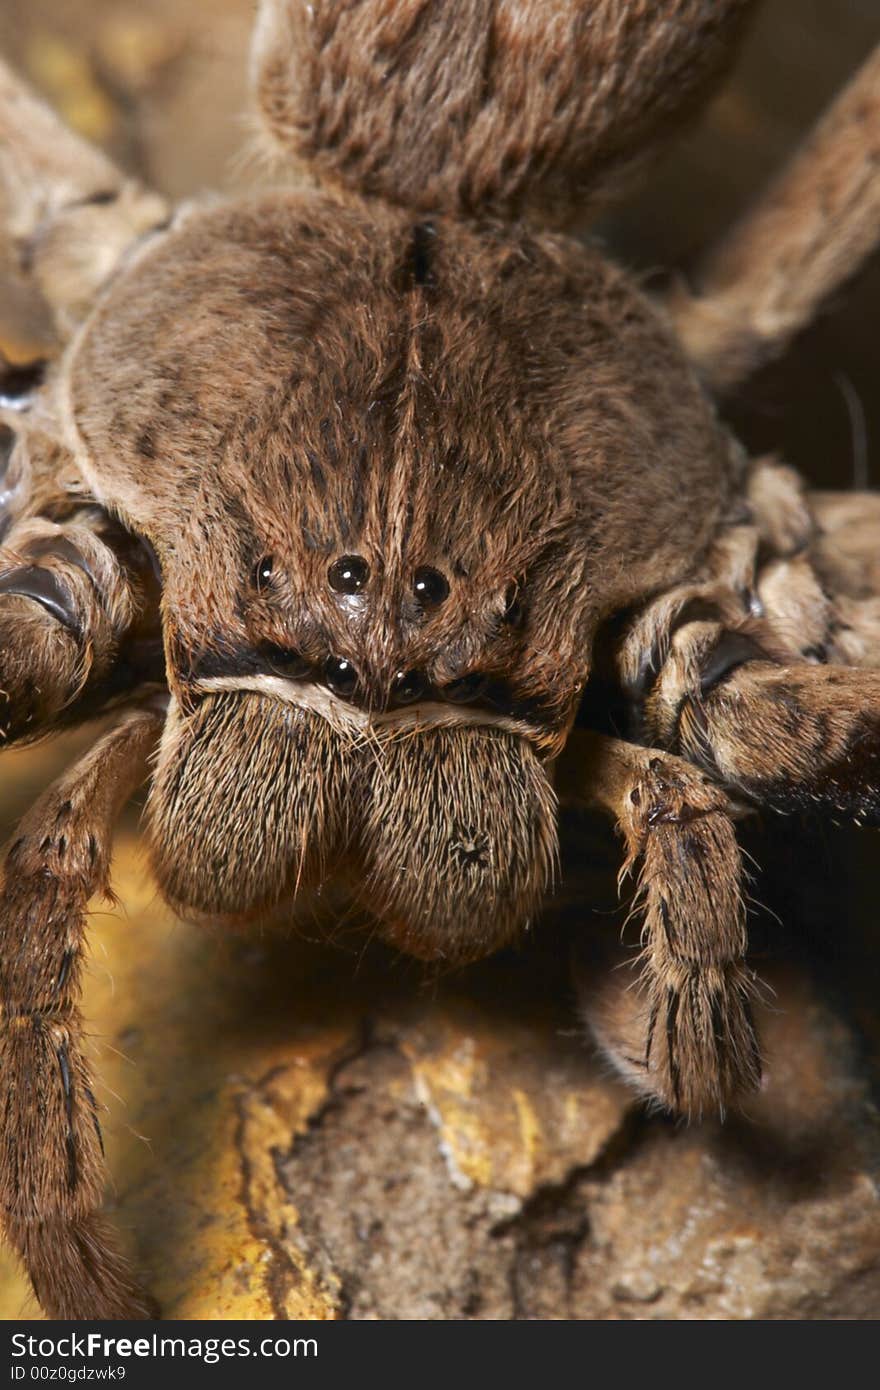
column 407, row 687
column 262, row 574
column 466, row 688
column 348, row 574
column 285, row 661
column 430, row 586
column 340, row 676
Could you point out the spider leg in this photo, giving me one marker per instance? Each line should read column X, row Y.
column 793, row 738
column 810, row 232
column 846, row 554
column 683, row 1029
column 78, row 621
column 51, row 1162
column 66, row 209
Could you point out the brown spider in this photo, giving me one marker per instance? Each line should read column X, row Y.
column 347, row 500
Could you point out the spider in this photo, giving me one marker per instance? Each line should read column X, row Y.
column 376, row 513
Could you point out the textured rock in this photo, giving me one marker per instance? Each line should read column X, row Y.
column 295, row 1131
column 774, row 1216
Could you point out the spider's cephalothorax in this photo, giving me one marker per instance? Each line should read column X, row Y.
column 399, row 499
column 350, row 500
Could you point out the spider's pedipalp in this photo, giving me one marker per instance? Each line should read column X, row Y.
column 737, row 672
column 51, row 1159
column 78, row 621
column 683, row 1033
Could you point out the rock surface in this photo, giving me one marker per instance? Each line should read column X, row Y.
column 295, row 1130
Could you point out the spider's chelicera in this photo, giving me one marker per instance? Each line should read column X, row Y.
column 379, row 515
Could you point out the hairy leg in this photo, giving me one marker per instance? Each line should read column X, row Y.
column 791, row 579
column 767, row 700
column 680, row 1026
column 812, row 230
column 848, row 541
column 78, row 621
column 51, row 1157
column 792, row 737
column 66, row 209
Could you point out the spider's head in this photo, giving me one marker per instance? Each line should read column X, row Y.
column 395, row 474
column 368, row 598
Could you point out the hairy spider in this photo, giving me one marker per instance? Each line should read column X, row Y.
column 378, row 516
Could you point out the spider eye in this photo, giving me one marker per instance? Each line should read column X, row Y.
column 430, row 586
column 263, row 573
column 348, row 574
column 466, row 688
column 285, row 661
column 407, row 687
column 340, row 676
